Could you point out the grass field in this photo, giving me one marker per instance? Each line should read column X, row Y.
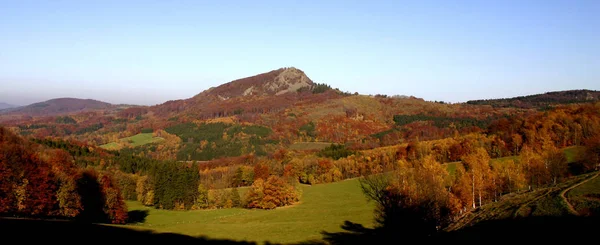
column 322, row 208
column 451, row 166
column 586, row 198
column 136, row 140
column 573, row 154
column 307, row 146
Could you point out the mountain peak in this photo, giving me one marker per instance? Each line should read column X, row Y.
column 289, row 80
column 275, row 82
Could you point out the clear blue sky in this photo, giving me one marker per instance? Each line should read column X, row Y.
column 146, row 52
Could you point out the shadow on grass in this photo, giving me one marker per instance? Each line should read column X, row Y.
column 137, row 216
column 27, row 231
column 536, row 229
column 544, row 228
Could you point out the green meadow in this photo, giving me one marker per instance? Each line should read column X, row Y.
column 322, row 207
column 325, row 207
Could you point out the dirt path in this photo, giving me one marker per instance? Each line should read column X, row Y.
column 562, row 194
column 518, row 210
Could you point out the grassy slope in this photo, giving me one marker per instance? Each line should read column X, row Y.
column 451, row 166
column 322, row 208
column 586, row 198
column 136, row 140
column 541, row 202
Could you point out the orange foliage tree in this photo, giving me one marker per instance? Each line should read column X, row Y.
column 272, row 193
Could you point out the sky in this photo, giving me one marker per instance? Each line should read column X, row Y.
column 148, row 52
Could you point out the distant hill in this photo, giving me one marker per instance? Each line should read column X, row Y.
column 542, row 100
column 6, row 106
column 59, row 106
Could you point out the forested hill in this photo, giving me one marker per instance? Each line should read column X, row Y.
column 542, row 100
column 6, row 106
column 60, row 106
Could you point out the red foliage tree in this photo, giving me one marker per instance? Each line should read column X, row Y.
column 10, row 154
column 114, row 205
column 41, row 189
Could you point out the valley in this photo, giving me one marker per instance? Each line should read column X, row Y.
column 277, row 158
column 299, row 122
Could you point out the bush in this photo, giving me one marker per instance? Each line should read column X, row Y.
column 335, row 151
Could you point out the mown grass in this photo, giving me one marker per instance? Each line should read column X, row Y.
column 307, row 146
column 136, row 140
column 322, row 208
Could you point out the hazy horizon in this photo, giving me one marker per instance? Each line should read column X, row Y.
column 146, row 53
column 43, row 100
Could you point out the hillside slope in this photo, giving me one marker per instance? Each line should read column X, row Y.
column 261, row 93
